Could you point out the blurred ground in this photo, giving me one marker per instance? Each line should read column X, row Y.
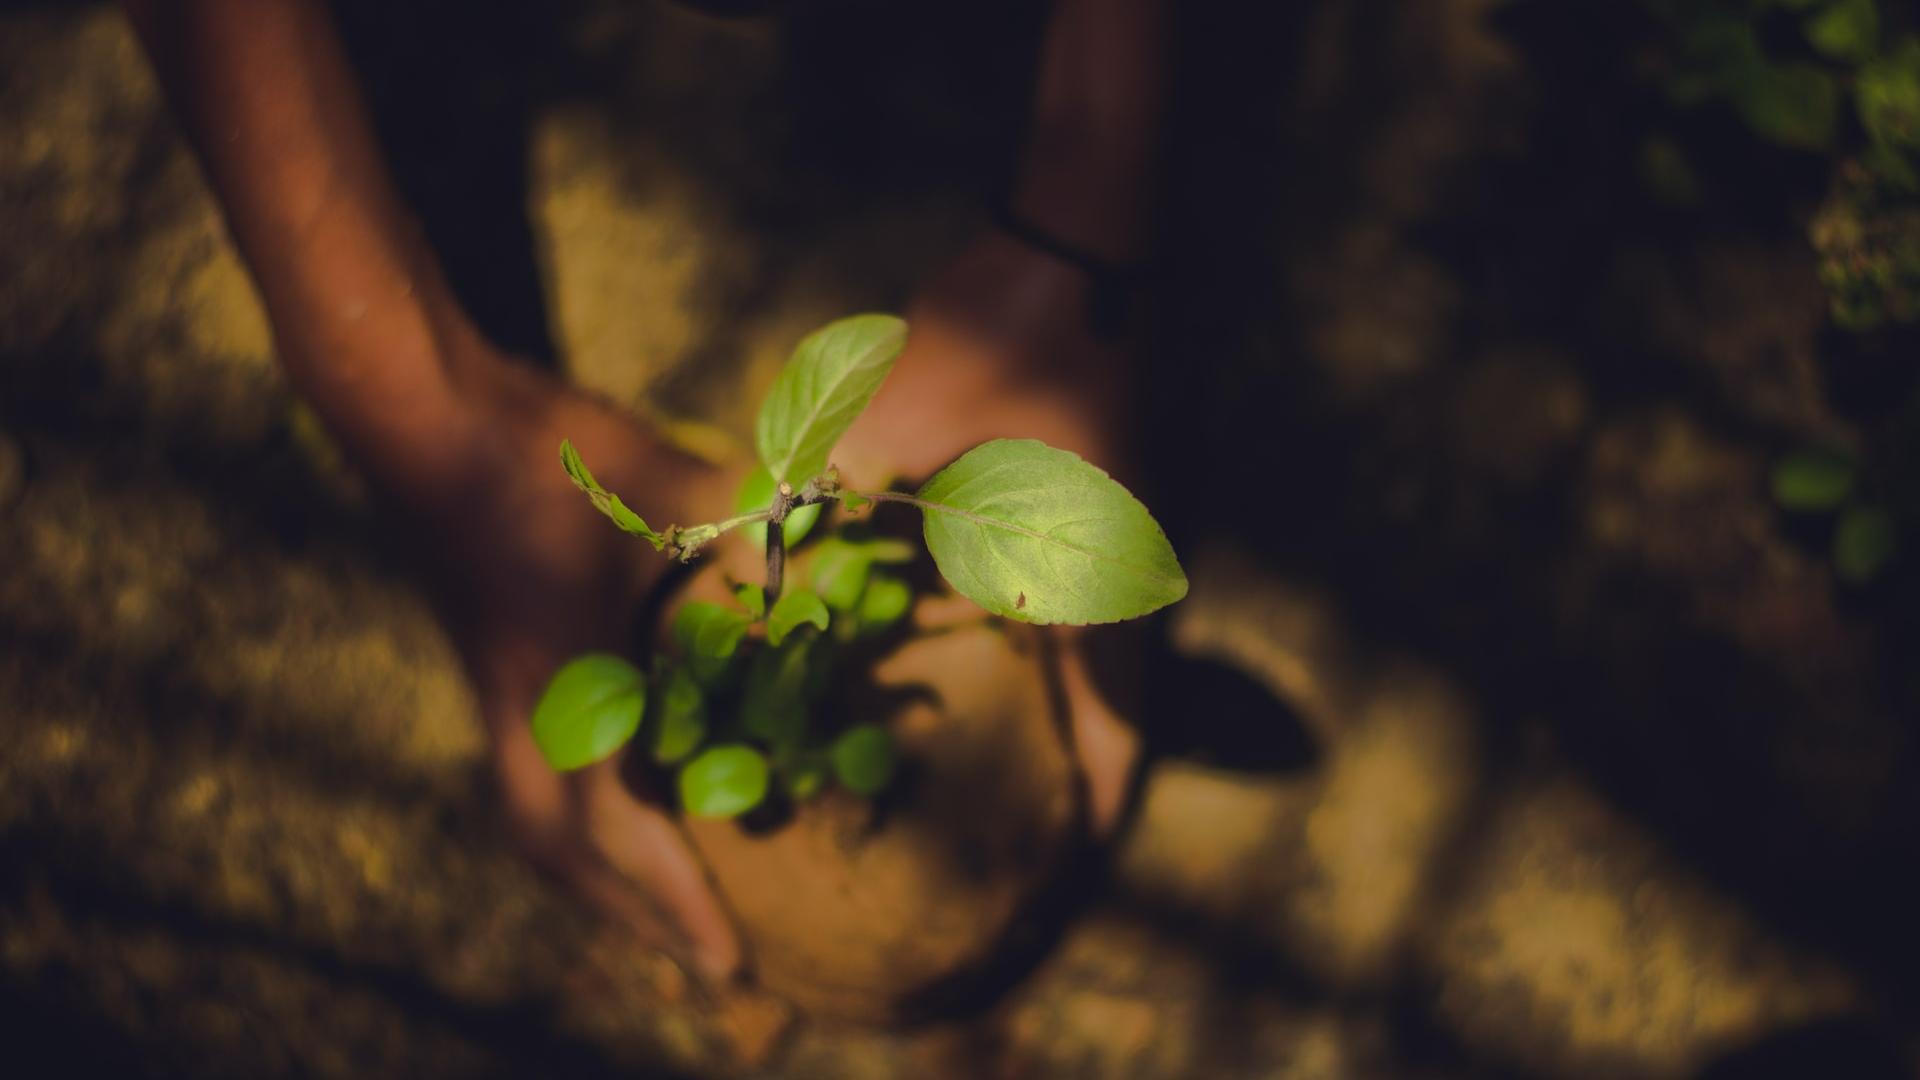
column 1577, row 764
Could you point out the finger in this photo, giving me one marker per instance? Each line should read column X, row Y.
column 1106, row 746
column 647, row 848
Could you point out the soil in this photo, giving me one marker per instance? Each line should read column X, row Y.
column 1508, row 728
column 905, row 908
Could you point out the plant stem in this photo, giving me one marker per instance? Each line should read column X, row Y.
column 744, row 519
column 783, row 502
column 894, row 496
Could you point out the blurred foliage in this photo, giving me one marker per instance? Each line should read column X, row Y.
column 1835, row 77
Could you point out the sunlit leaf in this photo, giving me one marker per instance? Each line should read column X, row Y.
column 1863, row 542
column 756, row 493
column 863, row 758
column 591, row 707
column 603, row 500
column 833, row 374
column 1812, row 481
column 708, row 636
column 1036, row 534
column 681, row 717
column 795, row 608
column 723, row 782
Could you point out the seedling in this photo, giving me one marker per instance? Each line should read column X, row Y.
column 1026, row 531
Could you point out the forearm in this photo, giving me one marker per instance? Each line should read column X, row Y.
column 364, row 323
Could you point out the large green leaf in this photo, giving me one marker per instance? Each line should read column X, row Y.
column 723, row 781
column 1036, row 534
column 591, row 707
column 832, row 376
column 603, row 500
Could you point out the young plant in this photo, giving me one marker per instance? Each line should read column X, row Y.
column 1027, row 531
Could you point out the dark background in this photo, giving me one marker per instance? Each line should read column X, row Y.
column 1510, row 729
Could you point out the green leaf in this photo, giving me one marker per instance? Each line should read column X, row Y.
column 682, row 722
column 1849, row 30
column 774, row 705
column 885, row 602
column 756, row 493
column 1887, row 95
column 1722, row 52
column 753, row 598
column 851, row 501
column 603, row 500
column 840, row 567
column 723, row 782
column 1813, row 481
column 796, row 608
column 1863, row 542
column 591, row 707
column 1795, row 105
column 1036, row 534
column 708, row 636
column 806, row 777
column 863, row 758
column 832, row 376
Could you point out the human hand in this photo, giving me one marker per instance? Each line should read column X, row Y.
column 528, row 575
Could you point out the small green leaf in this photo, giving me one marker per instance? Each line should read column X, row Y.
column 886, row 600
column 774, row 705
column 863, row 758
column 840, row 567
column 603, row 500
column 1848, row 30
column 756, row 493
column 806, row 777
column 851, row 501
column 796, row 608
column 839, row 574
column 723, row 782
column 1794, row 105
column 1887, row 94
column 708, row 636
column 1812, row 481
column 682, row 719
column 1863, row 541
column 829, row 380
column 1722, row 51
column 753, row 598
column 1036, row 534
column 591, row 707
